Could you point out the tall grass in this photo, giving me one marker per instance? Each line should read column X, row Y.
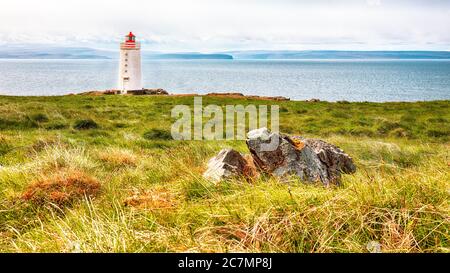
column 152, row 196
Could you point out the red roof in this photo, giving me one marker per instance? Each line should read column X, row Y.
column 130, row 37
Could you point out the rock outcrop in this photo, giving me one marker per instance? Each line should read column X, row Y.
column 144, row 91
column 312, row 100
column 240, row 95
column 311, row 160
column 335, row 160
column 278, row 155
column 227, row 164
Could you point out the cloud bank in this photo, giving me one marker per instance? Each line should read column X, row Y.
column 217, row 25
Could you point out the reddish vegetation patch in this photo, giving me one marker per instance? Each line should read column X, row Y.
column 62, row 189
column 152, row 199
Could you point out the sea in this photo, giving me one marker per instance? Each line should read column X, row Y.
column 373, row 80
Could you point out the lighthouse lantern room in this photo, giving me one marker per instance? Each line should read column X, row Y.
column 130, row 75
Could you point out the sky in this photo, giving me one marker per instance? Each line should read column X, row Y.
column 225, row 25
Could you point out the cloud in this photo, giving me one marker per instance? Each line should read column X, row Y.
column 212, row 25
column 373, row 2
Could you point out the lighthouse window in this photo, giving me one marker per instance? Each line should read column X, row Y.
column 126, row 65
column 126, row 60
column 126, row 71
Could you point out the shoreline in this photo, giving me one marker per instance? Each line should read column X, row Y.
column 162, row 92
column 231, row 95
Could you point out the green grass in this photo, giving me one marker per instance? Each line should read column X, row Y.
column 399, row 195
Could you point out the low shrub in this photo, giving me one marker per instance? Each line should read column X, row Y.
column 284, row 110
column 61, row 189
column 361, row 132
column 39, row 117
column 386, row 126
column 85, row 124
column 400, row 132
column 438, row 133
column 56, row 126
column 121, row 125
column 10, row 124
column 159, row 134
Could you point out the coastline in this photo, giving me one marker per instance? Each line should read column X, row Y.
column 230, row 95
column 162, row 92
column 328, row 81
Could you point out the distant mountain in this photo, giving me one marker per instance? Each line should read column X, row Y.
column 54, row 52
column 333, row 54
column 188, row 56
column 51, row 52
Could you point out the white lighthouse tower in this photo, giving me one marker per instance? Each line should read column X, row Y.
column 130, row 74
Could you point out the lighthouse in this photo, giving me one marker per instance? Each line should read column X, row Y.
column 130, row 74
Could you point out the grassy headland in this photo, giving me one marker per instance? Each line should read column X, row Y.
column 101, row 174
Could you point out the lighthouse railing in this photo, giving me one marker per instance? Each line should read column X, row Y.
column 130, row 45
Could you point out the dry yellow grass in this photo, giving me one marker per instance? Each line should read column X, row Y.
column 118, row 157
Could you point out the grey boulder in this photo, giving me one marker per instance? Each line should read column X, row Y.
column 335, row 159
column 276, row 154
column 309, row 159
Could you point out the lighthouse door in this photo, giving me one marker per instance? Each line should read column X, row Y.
column 126, row 81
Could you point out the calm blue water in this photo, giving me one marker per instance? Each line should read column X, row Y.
column 352, row 80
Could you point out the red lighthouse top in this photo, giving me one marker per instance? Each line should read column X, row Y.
column 130, row 37
column 130, row 42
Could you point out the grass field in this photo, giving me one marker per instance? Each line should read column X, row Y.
column 101, row 174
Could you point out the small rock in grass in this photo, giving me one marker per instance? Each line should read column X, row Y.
column 374, row 247
column 227, row 164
